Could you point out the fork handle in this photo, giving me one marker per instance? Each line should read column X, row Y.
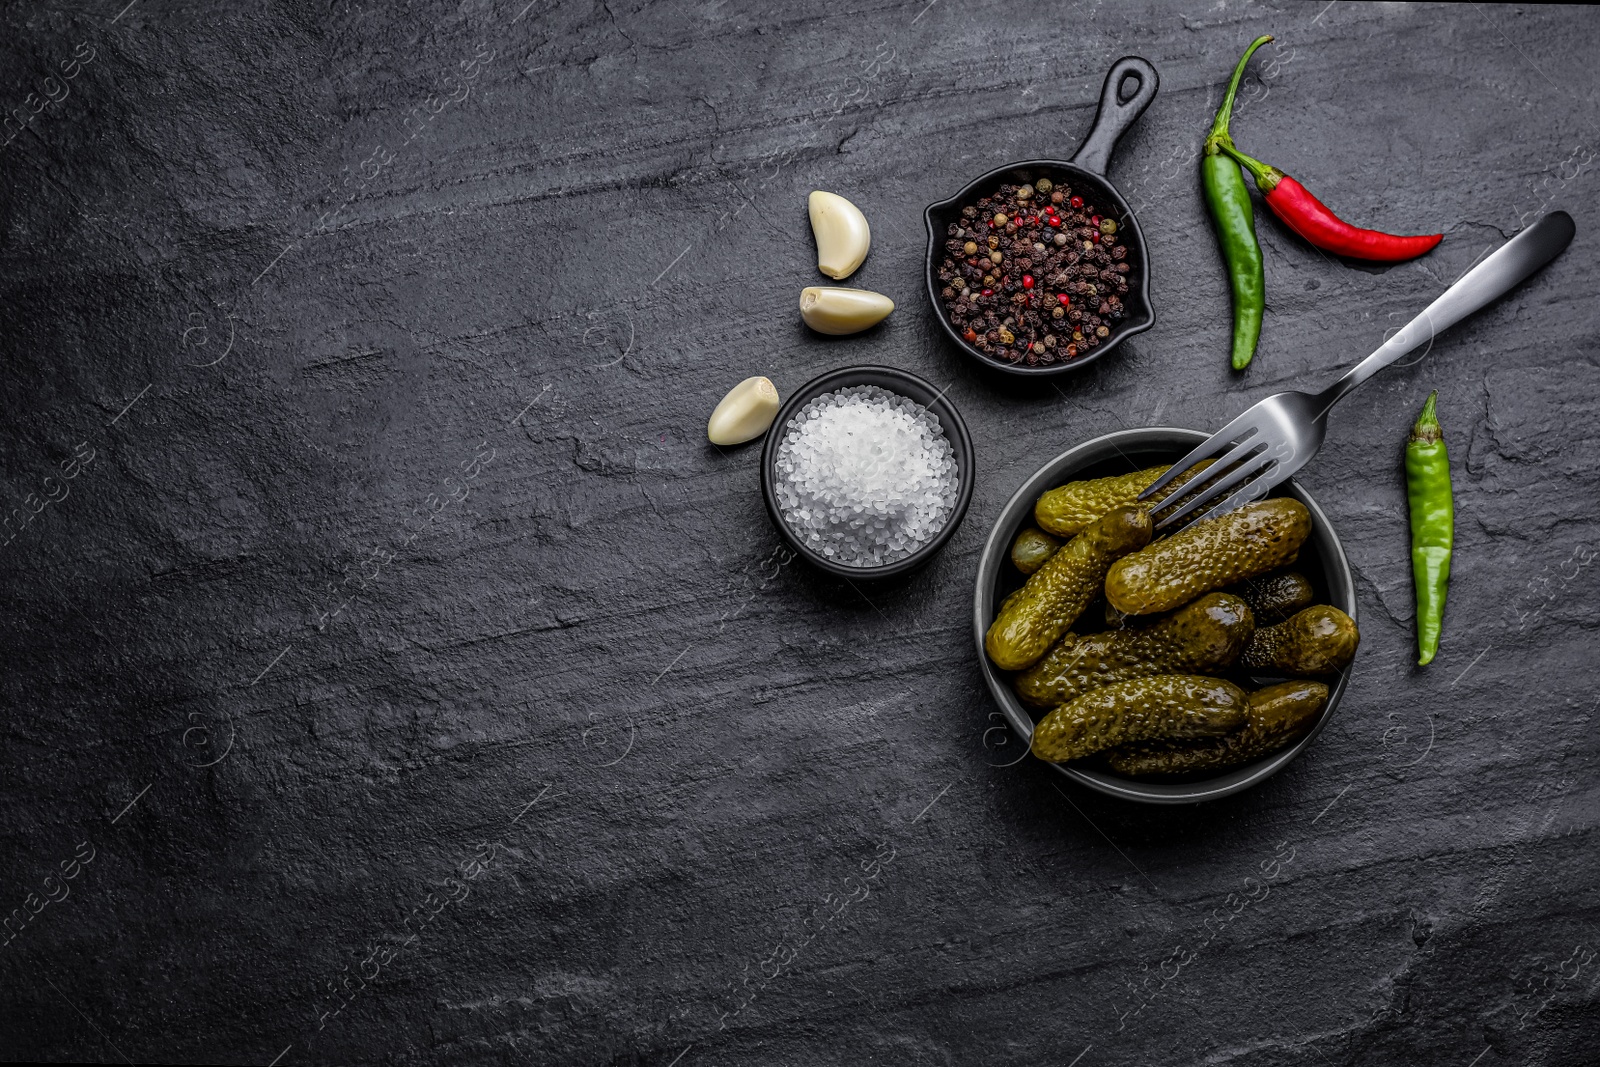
column 1510, row 265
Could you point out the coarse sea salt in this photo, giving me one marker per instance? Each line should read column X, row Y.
column 864, row 476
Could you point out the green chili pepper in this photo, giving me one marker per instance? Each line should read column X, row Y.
column 1432, row 525
column 1228, row 197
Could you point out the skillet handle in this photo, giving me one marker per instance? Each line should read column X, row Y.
column 1116, row 115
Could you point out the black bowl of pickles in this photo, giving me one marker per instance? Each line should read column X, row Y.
column 1167, row 668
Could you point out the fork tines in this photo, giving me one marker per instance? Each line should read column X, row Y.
column 1237, row 458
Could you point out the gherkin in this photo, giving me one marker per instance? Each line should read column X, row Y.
column 1053, row 597
column 1140, row 709
column 1069, row 509
column 1319, row 640
column 1277, row 716
column 1210, row 554
column 1206, row 635
column 1276, row 596
column 1032, row 547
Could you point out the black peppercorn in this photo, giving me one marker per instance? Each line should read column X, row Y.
column 1023, row 247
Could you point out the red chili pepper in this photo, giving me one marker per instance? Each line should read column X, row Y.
column 1311, row 219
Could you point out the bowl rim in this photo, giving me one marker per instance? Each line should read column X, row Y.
column 996, row 551
column 1129, row 328
column 955, row 429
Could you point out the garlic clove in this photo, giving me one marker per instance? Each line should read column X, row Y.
column 832, row 310
column 843, row 236
column 745, row 413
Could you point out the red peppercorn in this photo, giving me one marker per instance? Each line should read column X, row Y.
column 1072, row 350
column 1027, row 281
column 971, row 336
column 1094, row 220
column 1095, row 238
column 1055, row 221
column 988, row 292
column 1077, row 201
column 1066, row 301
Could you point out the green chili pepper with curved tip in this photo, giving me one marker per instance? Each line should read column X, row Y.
column 1228, row 197
column 1432, row 525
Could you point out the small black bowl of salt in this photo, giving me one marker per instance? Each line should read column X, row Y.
column 867, row 472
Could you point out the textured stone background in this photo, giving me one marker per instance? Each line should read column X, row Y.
column 384, row 336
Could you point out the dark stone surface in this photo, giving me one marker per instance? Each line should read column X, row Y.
column 285, row 656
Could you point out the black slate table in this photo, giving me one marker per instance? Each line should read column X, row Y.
column 393, row 674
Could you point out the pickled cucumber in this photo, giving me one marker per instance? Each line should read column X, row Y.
column 1069, row 509
column 1276, row 596
column 1275, row 717
column 1318, row 640
column 1032, row 547
column 1055, row 595
column 1140, row 709
column 1206, row 635
column 1240, row 544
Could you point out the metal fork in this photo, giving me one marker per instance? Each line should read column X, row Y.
column 1270, row 441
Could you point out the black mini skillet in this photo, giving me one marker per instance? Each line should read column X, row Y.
column 1129, row 87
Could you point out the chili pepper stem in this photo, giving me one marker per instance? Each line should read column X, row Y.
column 1426, row 429
column 1267, row 176
column 1219, row 126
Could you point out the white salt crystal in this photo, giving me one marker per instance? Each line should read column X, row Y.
column 865, row 476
